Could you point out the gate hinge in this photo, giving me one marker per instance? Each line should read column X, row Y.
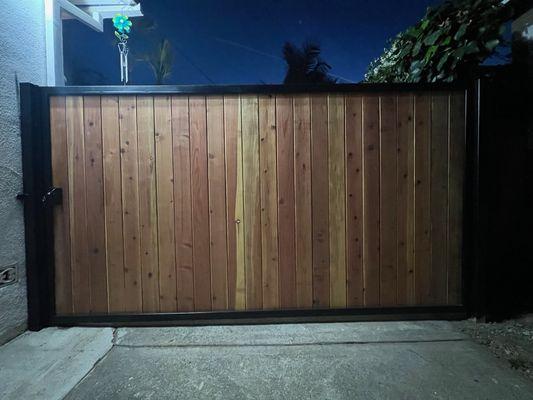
column 53, row 197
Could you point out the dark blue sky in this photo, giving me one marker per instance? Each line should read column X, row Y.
column 240, row 41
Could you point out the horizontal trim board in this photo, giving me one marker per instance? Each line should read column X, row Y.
column 249, row 89
column 265, row 317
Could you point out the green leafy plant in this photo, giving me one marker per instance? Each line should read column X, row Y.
column 445, row 45
column 160, row 60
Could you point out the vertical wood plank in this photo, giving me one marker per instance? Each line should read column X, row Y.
column 113, row 203
column 60, row 178
column 252, row 202
column 319, row 195
column 217, row 202
column 95, row 203
column 439, row 197
column 234, row 195
column 148, row 204
column 81, row 294
column 388, row 201
column 405, row 178
column 200, row 204
column 337, row 201
column 269, row 198
column 371, row 173
column 456, row 160
column 354, row 201
column 286, row 216
column 302, row 198
column 168, row 300
column 130, row 203
column 182, row 202
column 422, row 198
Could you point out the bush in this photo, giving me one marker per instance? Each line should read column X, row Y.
column 445, row 45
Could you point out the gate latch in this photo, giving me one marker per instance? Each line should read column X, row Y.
column 53, row 197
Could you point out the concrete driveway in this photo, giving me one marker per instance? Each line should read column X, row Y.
column 378, row 360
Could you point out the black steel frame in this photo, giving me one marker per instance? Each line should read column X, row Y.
column 37, row 170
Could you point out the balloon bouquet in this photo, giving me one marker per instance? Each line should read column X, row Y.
column 122, row 26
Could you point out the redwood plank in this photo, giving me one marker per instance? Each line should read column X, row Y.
column 456, row 160
column 81, row 293
column 217, row 203
column 405, row 202
column 182, row 202
column 337, row 201
column 234, row 203
column 113, row 203
column 439, row 197
column 252, row 202
column 168, row 300
column 286, row 211
column 302, row 198
column 200, row 204
column 148, row 204
column 130, row 203
column 319, row 195
column 371, row 173
column 269, row 210
column 60, row 178
column 422, row 198
column 95, row 203
column 388, row 201
column 354, row 201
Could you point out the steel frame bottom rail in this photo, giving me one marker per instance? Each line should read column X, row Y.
column 264, row 317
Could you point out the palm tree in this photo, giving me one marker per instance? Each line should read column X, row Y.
column 160, row 60
column 304, row 65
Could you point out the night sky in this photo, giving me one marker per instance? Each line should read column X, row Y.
column 240, row 41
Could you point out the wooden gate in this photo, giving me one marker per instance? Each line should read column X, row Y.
column 180, row 202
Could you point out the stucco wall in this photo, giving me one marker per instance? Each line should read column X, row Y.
column 22, row 59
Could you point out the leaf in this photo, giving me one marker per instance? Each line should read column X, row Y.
column 446, row 41
column 416, row 49
column 431, row 39
column 460, row 32
column 471, row 48
column 492, row 44
column 431, row 51
column 442, row 61
column 424, row 24
column 117, row 35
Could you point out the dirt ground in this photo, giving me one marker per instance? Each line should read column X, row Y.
column 510, row 340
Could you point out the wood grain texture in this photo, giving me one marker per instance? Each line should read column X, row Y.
column 79, row 252
column 194, row 203
column 422, row 198
column 200, row 204
column 182, row 202
column 337, row 201
column 371, row 177
column 388, row 201
column 130, row 203
column 320, row 200
column 456, row 162
column 234, row 202
column 252, row 202
column 60, row 178
column 302, row 202
column 405, row 200
column 269, row 205
column 439, row 197
column 114, row 235
column 286, row 211
column 95, row 203
column 148, row 204
column 354, row 201
column 217, row 203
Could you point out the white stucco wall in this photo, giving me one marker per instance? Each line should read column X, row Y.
column 22, row 59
